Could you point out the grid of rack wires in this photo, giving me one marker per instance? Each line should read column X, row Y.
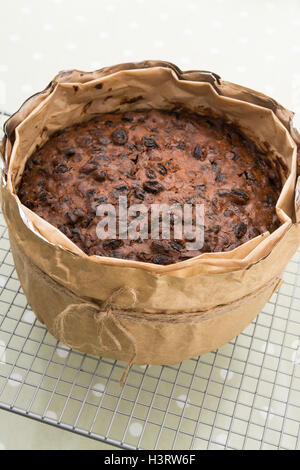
column 246, row 395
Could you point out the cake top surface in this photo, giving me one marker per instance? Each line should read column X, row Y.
column 147, row 158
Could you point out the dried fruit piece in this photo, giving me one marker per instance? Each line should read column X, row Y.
column 149, row 142
column 249, row 176
column 43, row 196
column 159, row 247
column 140, row 194
column 101, row 199
column 270, row 202
column 240, row 230
column 198, row 152
column 122, row 188
column 127, row 119
column 119, row 137
column 215, row 229
column 72, row 217
column 103, row 140
column 239, row 196
column 153, row 187
column 229, row 155
column 162, row 259
column 70, row 151
column 255, row 232
column 176, row 246
column 112, row 244
column 228, row 213
column 89, row 167
column 87, row 220
column 28, row 204
column 181, row 145
column 99, row 175
column 161, row 169
column 79, row 213
column 151, row 174
column 274, row 180
column 220, row 177
column 62, row 168
column 214, row 166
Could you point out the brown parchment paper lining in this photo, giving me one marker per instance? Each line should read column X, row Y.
column 138, row 312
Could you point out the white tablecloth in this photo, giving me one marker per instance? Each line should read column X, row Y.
column 252, row 42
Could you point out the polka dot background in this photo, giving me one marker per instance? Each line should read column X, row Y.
column 252, row 42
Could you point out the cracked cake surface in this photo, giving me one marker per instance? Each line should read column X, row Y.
column 153, row 157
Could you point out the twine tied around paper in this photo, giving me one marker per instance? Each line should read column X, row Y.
column 100, row 314
column 79, row 308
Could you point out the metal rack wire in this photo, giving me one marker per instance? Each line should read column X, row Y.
column 246, row 395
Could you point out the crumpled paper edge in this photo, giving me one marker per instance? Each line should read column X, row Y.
column 223, row 88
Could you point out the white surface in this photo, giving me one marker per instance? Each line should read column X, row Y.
column 252, row 42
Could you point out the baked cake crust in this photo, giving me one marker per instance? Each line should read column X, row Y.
column 153, row 157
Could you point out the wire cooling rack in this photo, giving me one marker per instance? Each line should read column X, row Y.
column 246, row 395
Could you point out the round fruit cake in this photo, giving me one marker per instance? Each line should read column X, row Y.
column 154, row 157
